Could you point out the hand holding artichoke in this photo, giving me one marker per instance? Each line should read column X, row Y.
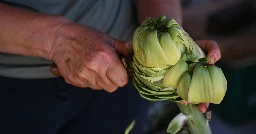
column 169, row 65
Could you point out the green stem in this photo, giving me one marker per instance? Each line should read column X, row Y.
column 197, row 122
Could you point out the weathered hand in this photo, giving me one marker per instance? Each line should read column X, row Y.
column 87, row 57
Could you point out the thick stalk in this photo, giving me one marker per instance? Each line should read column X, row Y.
column 197, row 122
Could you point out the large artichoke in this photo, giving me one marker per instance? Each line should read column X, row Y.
column 169, row 65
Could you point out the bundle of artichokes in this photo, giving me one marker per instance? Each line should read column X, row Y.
column 169, row 65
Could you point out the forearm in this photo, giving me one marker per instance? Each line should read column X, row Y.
column 155, row 8
column 27, row 33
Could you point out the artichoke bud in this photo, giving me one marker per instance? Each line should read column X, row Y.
column 208, row 84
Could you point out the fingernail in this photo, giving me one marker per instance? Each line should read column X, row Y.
column 129, row 47
column 212, row 59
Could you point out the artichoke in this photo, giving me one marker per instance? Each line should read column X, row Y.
column 169, row 65
column 208, row 84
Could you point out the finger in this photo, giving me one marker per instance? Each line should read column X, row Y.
column 203, row 107
column 88, row 77
column 71, row 78
column 76, row 82
column 92, row 84
column 117, row 73
column 104, row 82
column 54, row 70
column 211, row 48
column 99, row 67
column 122, row 47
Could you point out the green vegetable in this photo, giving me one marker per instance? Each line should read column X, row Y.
column 169, row 65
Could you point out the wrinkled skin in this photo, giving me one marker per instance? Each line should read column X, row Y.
column 87, row 57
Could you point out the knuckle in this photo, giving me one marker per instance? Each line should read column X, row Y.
column 99, row 60
column 81, row 72
column 80, row 75
column 105, row 57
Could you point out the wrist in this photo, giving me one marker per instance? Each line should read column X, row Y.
column 44, row 30
column 27, row 33
column 63, row 35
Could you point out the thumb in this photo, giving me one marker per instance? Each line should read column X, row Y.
column 211, row 48
column 121, row 47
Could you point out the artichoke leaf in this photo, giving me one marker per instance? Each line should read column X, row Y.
column 219, row 83
column 155, row 56
column 172, row 77
column 171, row 51
column 201, row 89
column 183, row 86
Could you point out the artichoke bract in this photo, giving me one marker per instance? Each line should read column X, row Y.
column 169, row 65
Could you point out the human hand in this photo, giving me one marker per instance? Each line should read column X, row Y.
column 86, row 57
column 212, row 51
